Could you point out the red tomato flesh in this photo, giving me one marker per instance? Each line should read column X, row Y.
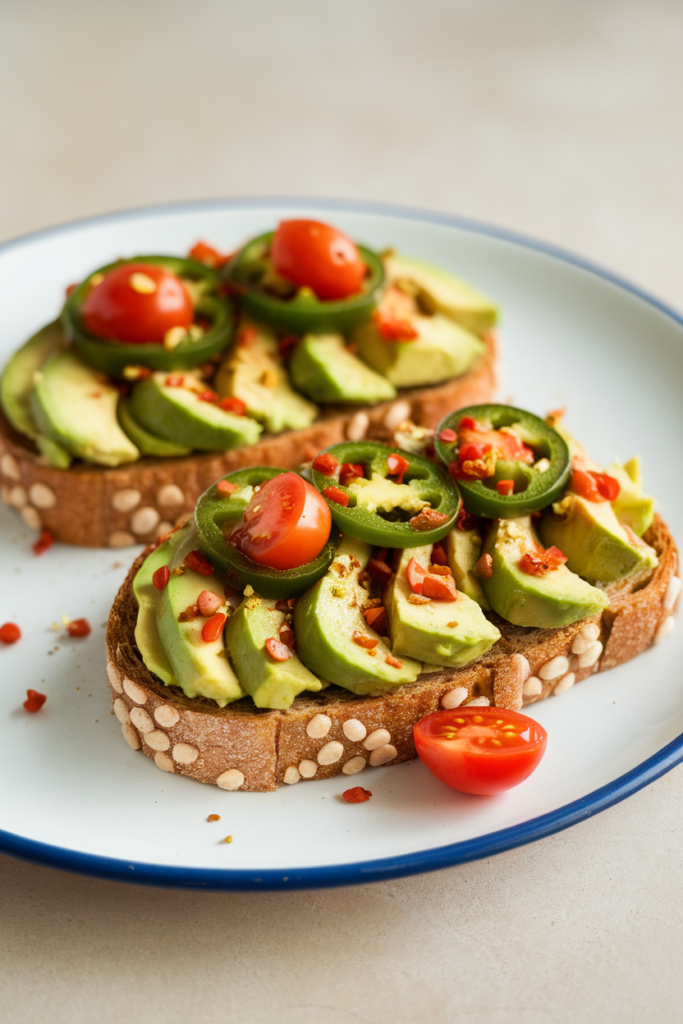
column 286, row 524
column 137, row 303
column 480, row 750
column 316, row 256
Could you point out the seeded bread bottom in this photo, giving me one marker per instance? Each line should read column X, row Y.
column 323, row 734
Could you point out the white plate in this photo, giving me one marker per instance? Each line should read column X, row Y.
column 76, row 797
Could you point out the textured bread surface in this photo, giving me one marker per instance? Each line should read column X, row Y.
column 94, row 506
column 323, row 734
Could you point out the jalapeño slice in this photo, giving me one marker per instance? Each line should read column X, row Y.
column 217, row 512
column 507, row 487
column 112, row 357
column 276, row 302
column 420, row 509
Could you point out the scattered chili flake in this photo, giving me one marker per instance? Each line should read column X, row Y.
column 213, row 627
column 428, row 519
column 447, row 435
column 34, row 700
column 466, row 423
column 226, row 487
column 542, row 561
column 247, row 335
column 10, row 633
column 368, row 642
column 376, row 618
column 287, row 636
column 441, row 588
column 161, row 577
column 214, row 817
column 334, row 494
column 414, row 598
column 379, row 571
column 208, row 396
column 277, row 650
column 440, row 570
column 78, row 628
column 234, row 405
column 325, row 464
column 397, row 466
column 505, row 487
column 350, row 471
column 175, row 381
column 44, row 543
column 357, row 795
column 594, row 486
column 415, row 574
column 439, row 555
column 198, row 562
column 394, row 662
column 207, row 255
column 190, row 614
column 228, row 839
column 287, row 344
column 485, row 567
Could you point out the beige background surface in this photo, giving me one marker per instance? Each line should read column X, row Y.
column 559, row 119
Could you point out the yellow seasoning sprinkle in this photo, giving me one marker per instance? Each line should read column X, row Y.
column 142, row 283
column 228, row 839
column 214, row 817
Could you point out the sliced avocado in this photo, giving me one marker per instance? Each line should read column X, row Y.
column 325, row 620
column 632, row 507
column 549, row 601
column 450, row 633
column 270, row 683
column 201, row 669
column 54, row 453
column 146, row 634
column 442, row 351
column 254, row 372
column 324, row 369
column 178, row 414
column 73, row 406
column 146, row 442
column 597, row 547
column 463, row 551
column 442, row 292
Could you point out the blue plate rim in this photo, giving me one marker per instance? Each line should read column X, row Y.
column 489, row 844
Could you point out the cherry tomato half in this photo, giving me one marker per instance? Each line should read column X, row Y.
column 137, row 302
column 480, row 750
column 317, row 256
column 285, row 525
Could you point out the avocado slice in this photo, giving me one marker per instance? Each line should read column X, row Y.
column 148, row 443
column 271, row 684
column 72, row 405
column 450, row 633
column 632, row 507
column 442, row 351
column 549, row 601
column 597, row 546
column 326, row 371
column 200, row 669
column 442, row 292
column 254, row 372
column 463, row 551
column 325, row 620
column 146, row 634
column 177, row 414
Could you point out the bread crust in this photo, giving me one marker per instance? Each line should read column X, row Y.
column 243, row 747
column 93, row 506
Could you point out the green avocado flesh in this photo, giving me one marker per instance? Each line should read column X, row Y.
column 177, row 414
column 323, row 368
column 200, row 668
column 270, row 683
column 597, row 547
column 443, row 292
column 449, row 633
column 74, row 407
column 443, row 350
column 463, row 551
column 146, row 442
column 556, row 599
column 254, row 372
column 146, row 633
column 327, row 616
column 632, row 507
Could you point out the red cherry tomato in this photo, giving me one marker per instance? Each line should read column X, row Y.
column 480, row 750
column 137, row 303
column 317, row 256
column 286, row 524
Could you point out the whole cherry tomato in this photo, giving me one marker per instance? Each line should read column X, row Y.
column 317, row 256
column 286, row 524
column 480, row 750
column 137, row 302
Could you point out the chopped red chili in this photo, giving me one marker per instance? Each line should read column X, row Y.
column 208, row 396
column 368, row 642
column 247, row 335
column 161, row 577
column 325, row 464
column 198, row 562
column 440, row 588
column 350, row 471
column 394, row 662
column 357, row 795
column 447, row 435
column 277, row 650
column 226, row 487
column 428, row 519
column 466, row 423
column 213, row 627
column 439, row 570
column 79, row 628
column 485, row 567
column 334, row 494
column 34, row 700
column 44, row 543
column 376, row 618
column 542, row 562
column 379, row 571
column 233, row 404
column 10, row 633
column 397, row 466
column 175, row 381
column 505, row 487
column 391, row 327
column 207, row 255
column 415, row 574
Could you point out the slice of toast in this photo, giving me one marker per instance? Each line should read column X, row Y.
column 94, row 506
column 242, row 747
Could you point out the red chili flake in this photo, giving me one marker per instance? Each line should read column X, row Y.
column 325, row 464
column 397, row 466
column 439, row 555
column 607, row 486
column 226, row 487
column 175, row 381
column 357, row 795
column 214, row 817
column 379, row 571
column 393, row 328
column 277, row 650
column 190, row 614
column 44, row 543
column 208, row 396
column 161, row 577
column 78, row 627
column 287, row 637
column 10, row 633
column 368, row 642
column 207, row 255
column 376, row 618
column 198, row 562
column 213, row 627
column 428, row 519
column 233, row 405
column 466, row 423
column 440, row 588
column 334, row 494
column 208, row 603
column 505, row 487
column 350, row 471
column 287, row 344
column 542, row 561
column 439, row 570
column 394, row 662
column 415, row 574
column 447, row 435
column 34, row 701
column 247, row 335
column 485, row 567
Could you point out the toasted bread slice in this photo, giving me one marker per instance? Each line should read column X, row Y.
column 94, row 506
column 242, row 747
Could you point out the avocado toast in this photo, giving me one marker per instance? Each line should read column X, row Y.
column 413, row 601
